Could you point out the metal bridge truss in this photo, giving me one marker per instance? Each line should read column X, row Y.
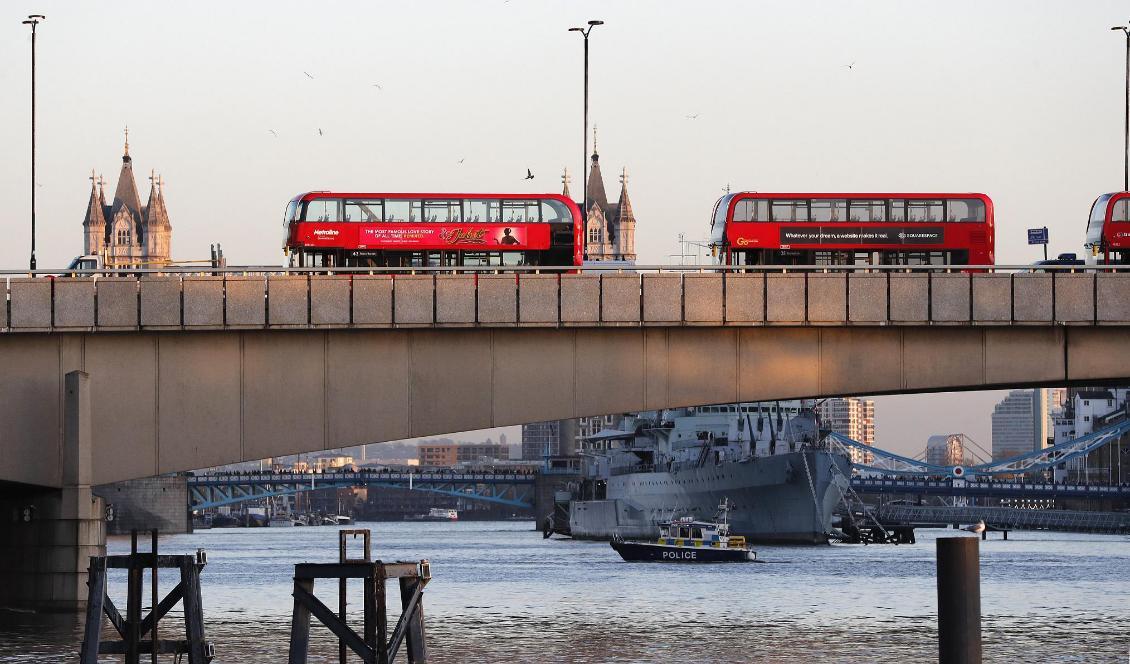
column 891, row 463
column 510, row 489
column 1008, row 518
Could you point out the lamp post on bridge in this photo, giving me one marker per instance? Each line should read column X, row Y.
column 33, row 20
column 1126, row 134
column 585, row 132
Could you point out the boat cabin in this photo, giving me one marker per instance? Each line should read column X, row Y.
column 688, row 532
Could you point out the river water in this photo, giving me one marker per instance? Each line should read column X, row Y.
column 500, row 592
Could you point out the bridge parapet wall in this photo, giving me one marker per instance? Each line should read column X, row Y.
column 610, row 299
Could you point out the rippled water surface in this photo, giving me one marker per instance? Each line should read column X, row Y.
column 501, row 593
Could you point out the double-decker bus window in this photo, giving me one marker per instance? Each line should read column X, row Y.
column 482, row 211
column 368, row 211
column 829, row 210
column 789, row 210
column 396, row 210
column 322, row 209
column 928, row 211
column 520, row 211
column 898, row 210
column 441, row 211
column 751, row 210
column 288, row 216
column 965, row 209
column 1097, row 219
column 555, row 212
column 867, row 211
column 1121, row 211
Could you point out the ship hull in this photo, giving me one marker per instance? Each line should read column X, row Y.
column 787, row 498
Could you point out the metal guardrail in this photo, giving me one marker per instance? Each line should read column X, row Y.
column 594, row 268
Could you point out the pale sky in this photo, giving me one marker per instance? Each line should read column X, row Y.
column 1022, row 101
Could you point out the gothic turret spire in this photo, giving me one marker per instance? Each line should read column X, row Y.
column 594, row 190
column 625, row 204
column 126, row 196
column 94, row 214
column 565, row 184
column 94, row 224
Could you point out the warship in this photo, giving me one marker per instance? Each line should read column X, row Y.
column 769, row 461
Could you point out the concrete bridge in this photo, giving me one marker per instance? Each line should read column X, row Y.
column 112, row 378
column 190, row 371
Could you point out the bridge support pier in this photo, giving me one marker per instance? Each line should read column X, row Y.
column 48, row 535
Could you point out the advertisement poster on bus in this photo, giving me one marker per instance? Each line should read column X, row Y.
column 456, row 236
column 862, row 235
column 492, row 237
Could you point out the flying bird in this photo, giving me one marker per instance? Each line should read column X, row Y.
column 320, row 131
column 693, row 117
column 851, row 66
column 529, row 174
column 464, row 158
column 274, row 133
column 307, row 74
column 378, row 86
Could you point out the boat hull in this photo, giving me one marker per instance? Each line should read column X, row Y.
column 640, row 552
column 775, row 499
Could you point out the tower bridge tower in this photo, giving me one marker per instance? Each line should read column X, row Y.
column 124, row 232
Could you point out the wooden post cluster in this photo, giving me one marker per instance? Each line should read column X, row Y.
column 375, row 645
column 134, row 629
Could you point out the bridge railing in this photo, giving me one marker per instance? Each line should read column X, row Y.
column 972, row 487
column 532, row 296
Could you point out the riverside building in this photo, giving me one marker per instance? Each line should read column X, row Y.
column 852, row 417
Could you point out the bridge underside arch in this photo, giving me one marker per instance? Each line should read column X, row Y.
column 164, row 402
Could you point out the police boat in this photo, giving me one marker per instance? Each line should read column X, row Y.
column 685, row 540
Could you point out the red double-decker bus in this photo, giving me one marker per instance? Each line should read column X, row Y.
column 330, row 229
column 752, row 228
column 1108, row 228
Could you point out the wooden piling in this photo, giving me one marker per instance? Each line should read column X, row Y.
column 138, row 634
column 375, row 645
column 959, row 600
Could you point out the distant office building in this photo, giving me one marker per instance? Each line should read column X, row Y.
column 540, row 440
column 450, row 454
column 851, row 417
column 124, row 232
column 946, row 449
column 1020, row 423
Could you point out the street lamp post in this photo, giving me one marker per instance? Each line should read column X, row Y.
column 1126, row 135
column 33, row 20
column 585, row 131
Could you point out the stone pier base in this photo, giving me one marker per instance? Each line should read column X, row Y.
column 46, row 539
column 47, row 535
